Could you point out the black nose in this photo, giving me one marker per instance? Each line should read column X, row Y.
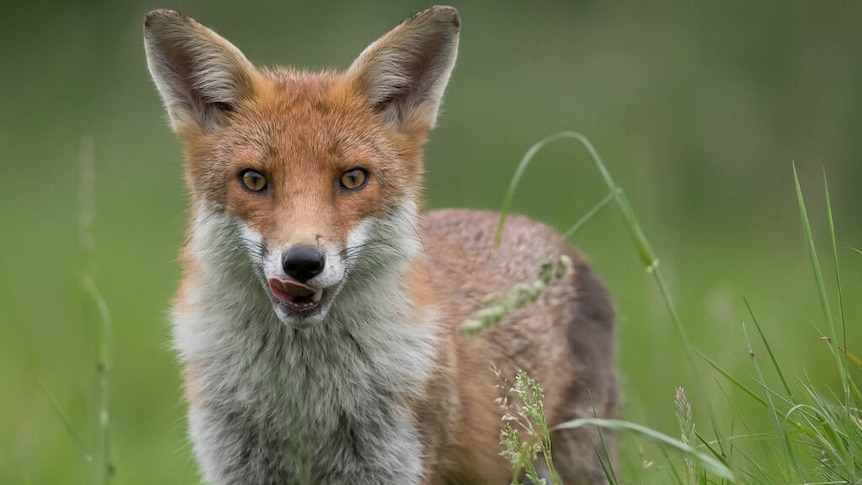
column 303, row 262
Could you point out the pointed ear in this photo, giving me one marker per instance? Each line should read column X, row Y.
column 200, row 75
column 403, row 74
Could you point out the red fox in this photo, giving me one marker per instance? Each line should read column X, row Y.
column 316, row 320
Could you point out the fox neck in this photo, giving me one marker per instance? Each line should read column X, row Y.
column 372, row 350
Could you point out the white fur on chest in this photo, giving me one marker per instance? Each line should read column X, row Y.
column 260, row 385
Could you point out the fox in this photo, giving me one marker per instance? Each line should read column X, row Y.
column 317, row 317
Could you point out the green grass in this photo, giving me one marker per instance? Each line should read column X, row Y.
column 697, row 108
column 814, row 434
column 816, row 439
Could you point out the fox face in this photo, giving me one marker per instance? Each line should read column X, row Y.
column 314, row 195
column 312, row 180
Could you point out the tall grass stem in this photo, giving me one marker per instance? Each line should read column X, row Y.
column 104, row 468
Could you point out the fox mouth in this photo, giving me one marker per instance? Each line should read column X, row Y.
column 295, row 297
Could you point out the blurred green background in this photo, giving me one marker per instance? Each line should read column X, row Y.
column 698, row 108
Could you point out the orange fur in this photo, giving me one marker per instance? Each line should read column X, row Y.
column 301, row 131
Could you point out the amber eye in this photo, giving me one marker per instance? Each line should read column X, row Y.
column 253, row 181
column 354, row 179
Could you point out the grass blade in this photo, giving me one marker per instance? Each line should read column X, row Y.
column 68, row 422
column 818, row 273
column 103, row 368
column 782, row 435
column 715, row 453
column 730, row 378
column 853, row 358
column 644, row 250
column 835, row 259
column 516, row 179
column 848, row 399
column 589, row 215
column 86, row 215
column 768, row 347
column 676, row 476
column 768, row 477
column 707, row 462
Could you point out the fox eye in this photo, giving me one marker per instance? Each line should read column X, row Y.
column 252, row 180
column 354, row 179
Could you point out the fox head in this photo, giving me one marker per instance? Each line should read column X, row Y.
column 307, row 181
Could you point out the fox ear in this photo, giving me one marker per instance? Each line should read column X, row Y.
column 200, row 75
column 403, row 74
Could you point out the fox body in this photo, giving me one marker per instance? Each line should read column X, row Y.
column 317, row 317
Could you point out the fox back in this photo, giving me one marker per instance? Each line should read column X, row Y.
column 317, row 318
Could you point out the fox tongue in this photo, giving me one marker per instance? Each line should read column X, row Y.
column 296, row 289
column 290, row 288
column 293, row 292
